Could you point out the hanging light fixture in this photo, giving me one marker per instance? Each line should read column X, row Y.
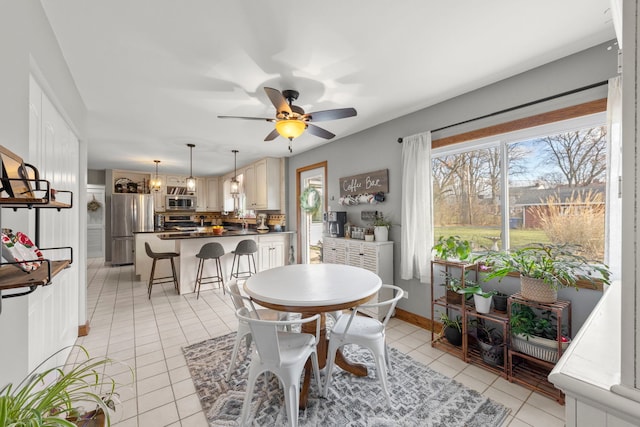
column 235, row 185
column 290, row 128
column 155, row 183
column 191, row 181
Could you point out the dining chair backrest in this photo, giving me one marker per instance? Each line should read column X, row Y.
column 388, row 305
column 265, row 334
column 239, row 300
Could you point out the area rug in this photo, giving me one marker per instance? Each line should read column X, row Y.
column 421, row 396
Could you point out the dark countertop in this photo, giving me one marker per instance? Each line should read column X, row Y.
column 228, row 233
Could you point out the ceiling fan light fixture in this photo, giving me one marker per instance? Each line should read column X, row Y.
column 290, row 128
column 191, row 181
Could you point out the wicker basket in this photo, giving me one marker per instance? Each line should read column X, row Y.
column 540, row 348
column 537, row 290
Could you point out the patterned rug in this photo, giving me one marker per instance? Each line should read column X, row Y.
column 421, row 396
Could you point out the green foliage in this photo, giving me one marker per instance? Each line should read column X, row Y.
column 381, row 221
column 525, row 321
column 46, row 398
column 452, row 246
column 486, row 333
column 475, row 290
column 453, row 323
column 556, row 265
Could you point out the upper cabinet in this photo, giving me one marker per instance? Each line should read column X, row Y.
column 159, row 196
column 213, row 194
column 201, row 194
column 262, row 184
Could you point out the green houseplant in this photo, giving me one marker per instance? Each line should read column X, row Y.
column 381, row 228
column 543, row 268
column 535, row 332
column 451, row 329
column 452, row 247
column 490, row 341
column 56, row 396
column 481, row 299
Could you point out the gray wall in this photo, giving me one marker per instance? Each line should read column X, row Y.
column 376, row 148
column 96, row 177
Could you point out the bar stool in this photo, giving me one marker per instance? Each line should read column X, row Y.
column 246, row 247
column 157, row 256
column 212, row 251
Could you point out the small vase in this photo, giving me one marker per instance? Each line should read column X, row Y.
column 381, row 232
column 500, row 303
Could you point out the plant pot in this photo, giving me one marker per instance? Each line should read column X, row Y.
column 537, row 290
column 491, row 354
column 483, row 305
column 368, row 237
column 381, row 232
column 91, row 419
column 500, row 303
column 453, row 335
column 453, row 297
column 538, row 347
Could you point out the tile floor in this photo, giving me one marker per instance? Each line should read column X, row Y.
column 149, row 336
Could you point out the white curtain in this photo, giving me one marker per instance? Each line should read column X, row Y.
column 613, row 233
column 616, row 16
column 417, row 234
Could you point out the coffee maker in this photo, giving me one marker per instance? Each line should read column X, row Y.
column 336, row 221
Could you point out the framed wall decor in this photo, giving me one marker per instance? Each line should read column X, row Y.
column 14, row 179
column 365, row 183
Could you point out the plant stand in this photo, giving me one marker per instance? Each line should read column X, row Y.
column 529, row 370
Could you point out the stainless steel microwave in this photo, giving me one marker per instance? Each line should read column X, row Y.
column 179, row 202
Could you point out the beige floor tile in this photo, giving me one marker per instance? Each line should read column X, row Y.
column 156, row 382
column 195, row 420
column 471, row 382
column 478, row 373
column 537, row 417
column 512, row 389
column 183, row 388
column 518, row 423
column 188, row 406
column 444, row 369
column 162, row 416
column 506, row 399
column 151, row 370
column 547, row 404
column 155, row 399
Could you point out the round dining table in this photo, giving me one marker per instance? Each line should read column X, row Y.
column 315, row 289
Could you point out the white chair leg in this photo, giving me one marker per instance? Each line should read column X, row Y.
column 316, row 371
column 234, row 355
column 381, row 367
column 388, row 359
column 292, row 397
column 329, row 368
column 251, row 383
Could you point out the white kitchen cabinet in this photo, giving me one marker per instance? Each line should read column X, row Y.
column 272, row 251
column 213, row 194
column 201, row 194
column 262, row 184
column 159, row 196
column 373, row 256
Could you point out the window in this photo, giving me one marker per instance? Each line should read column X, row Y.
column 551, row 190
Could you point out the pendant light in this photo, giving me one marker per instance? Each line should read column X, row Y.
column 155, row 183
column 191, row 181
column 235, row 185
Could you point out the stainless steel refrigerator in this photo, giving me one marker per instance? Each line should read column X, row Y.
column 130, row 213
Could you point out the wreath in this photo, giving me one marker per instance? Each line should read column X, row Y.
column 310, row 200
column 93, row 205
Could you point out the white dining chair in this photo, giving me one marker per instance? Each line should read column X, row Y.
column 282, row 353
column 366, row 332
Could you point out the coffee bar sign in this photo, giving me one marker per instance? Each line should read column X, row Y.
column 370, row 182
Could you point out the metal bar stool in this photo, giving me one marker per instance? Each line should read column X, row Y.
column 244, row 247
column 212, row 251
column 162, row 255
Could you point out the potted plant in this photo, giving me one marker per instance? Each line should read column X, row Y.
column 381, row 228
column 481, row 299
column 500, row 301
column 452, row 248
column 55, row 396
column 543, row 269
column 490, row 341
column 369, row 235
column 452, row 329
column 535, row 333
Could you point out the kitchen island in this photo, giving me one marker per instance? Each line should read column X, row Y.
column 273, row 251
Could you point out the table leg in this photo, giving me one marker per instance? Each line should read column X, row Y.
column 310, row 328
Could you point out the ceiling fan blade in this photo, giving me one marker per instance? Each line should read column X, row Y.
column 278, row 100
column 266, row 119
column 272, row 135
column 317, row 131
column 338, row 113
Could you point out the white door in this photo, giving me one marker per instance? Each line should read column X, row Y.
column 311, row 223
column 95, row 221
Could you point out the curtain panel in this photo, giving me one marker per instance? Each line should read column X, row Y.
column 417, row 231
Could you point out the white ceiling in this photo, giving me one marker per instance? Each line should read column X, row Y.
column 155, row 74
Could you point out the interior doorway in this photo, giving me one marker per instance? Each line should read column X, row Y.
column 311, row 182
column 95, row 221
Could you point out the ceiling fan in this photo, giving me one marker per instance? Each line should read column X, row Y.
column 291, row 121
